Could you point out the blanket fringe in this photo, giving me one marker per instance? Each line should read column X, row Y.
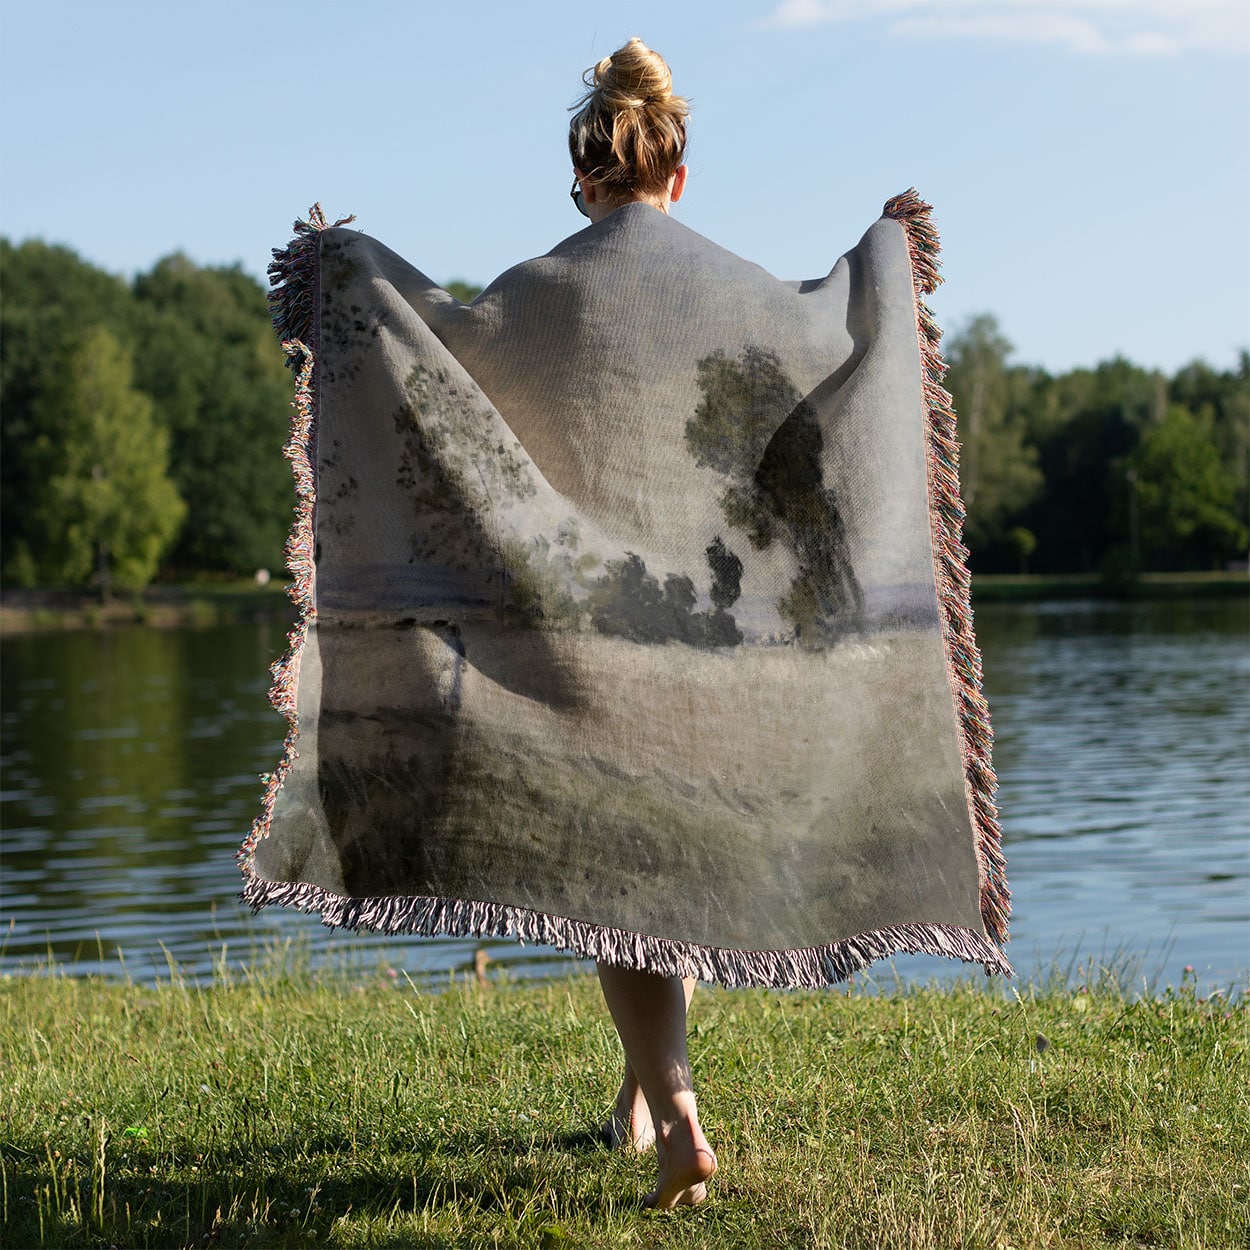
column 293, row 303
column 946, row 511
column 293, row 275
column 809, row 968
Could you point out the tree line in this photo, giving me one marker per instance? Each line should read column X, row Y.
column 1114, row 470
column 140, row 424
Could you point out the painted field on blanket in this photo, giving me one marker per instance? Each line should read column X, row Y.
column 130, row 775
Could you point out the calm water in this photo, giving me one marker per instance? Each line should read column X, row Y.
column 130, row 775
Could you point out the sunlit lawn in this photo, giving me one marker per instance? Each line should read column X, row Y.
column 283, row 1108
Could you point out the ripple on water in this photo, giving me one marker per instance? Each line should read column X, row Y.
column 132, row 761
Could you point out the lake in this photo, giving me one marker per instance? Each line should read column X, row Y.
column 130, row 762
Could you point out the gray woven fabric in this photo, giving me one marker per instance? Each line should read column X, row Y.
column 625, row 630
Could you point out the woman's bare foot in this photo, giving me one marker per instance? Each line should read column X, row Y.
column 686, row 1165
column 649, row 1011
column 629, row 1126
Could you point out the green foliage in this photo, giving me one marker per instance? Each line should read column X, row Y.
column 1222, row 400
column 218, row 402
column 208, row 355
column 1187, row 491
column 1065, row 459
column 465, row 292
column 1024, row 542
column 998, row 466
column 1111, row 467
column 1082, row 517
column 50, row 298
column 106, row 508
column 41, row 277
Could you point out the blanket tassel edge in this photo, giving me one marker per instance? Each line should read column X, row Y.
column 293, row 303
column 947, row 512
column 808, row 968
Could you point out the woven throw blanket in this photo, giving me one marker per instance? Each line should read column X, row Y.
column 634, row 615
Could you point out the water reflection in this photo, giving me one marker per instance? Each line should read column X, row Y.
column 131, row 758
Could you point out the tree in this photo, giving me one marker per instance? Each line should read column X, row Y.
column 1024, row 543
column 105, row 508
column 1223, row 399
column 465, row 292
column 205, row 354
column 1090, row 468
column 208, row 358
column 997, row 465
column 1087, row 424
column 51, row 297
column 1187, row 493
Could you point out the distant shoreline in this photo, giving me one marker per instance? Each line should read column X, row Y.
column 206, row 604
column 1014, row 587
column 171, row 606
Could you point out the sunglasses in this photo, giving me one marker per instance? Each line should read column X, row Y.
column 576, row 196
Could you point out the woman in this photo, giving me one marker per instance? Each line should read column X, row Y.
column 635, row 614
column 628, row 142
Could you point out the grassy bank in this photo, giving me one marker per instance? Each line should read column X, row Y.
column 279, row 1109
column 166, row 606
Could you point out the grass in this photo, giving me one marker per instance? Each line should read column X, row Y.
column 279, row 1107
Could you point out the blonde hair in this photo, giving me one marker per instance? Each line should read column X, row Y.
column 629, row 131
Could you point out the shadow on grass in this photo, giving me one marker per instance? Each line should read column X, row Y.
column 286, row 1195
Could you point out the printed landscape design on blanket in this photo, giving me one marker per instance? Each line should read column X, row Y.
column 633, row 614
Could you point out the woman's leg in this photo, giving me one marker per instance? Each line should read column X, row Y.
column 629, row 1126
column 649, row 1012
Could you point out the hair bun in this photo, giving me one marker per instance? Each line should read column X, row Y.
column 633, row 77
column 629, row 130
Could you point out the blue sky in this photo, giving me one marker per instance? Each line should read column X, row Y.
column 1088, row 159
